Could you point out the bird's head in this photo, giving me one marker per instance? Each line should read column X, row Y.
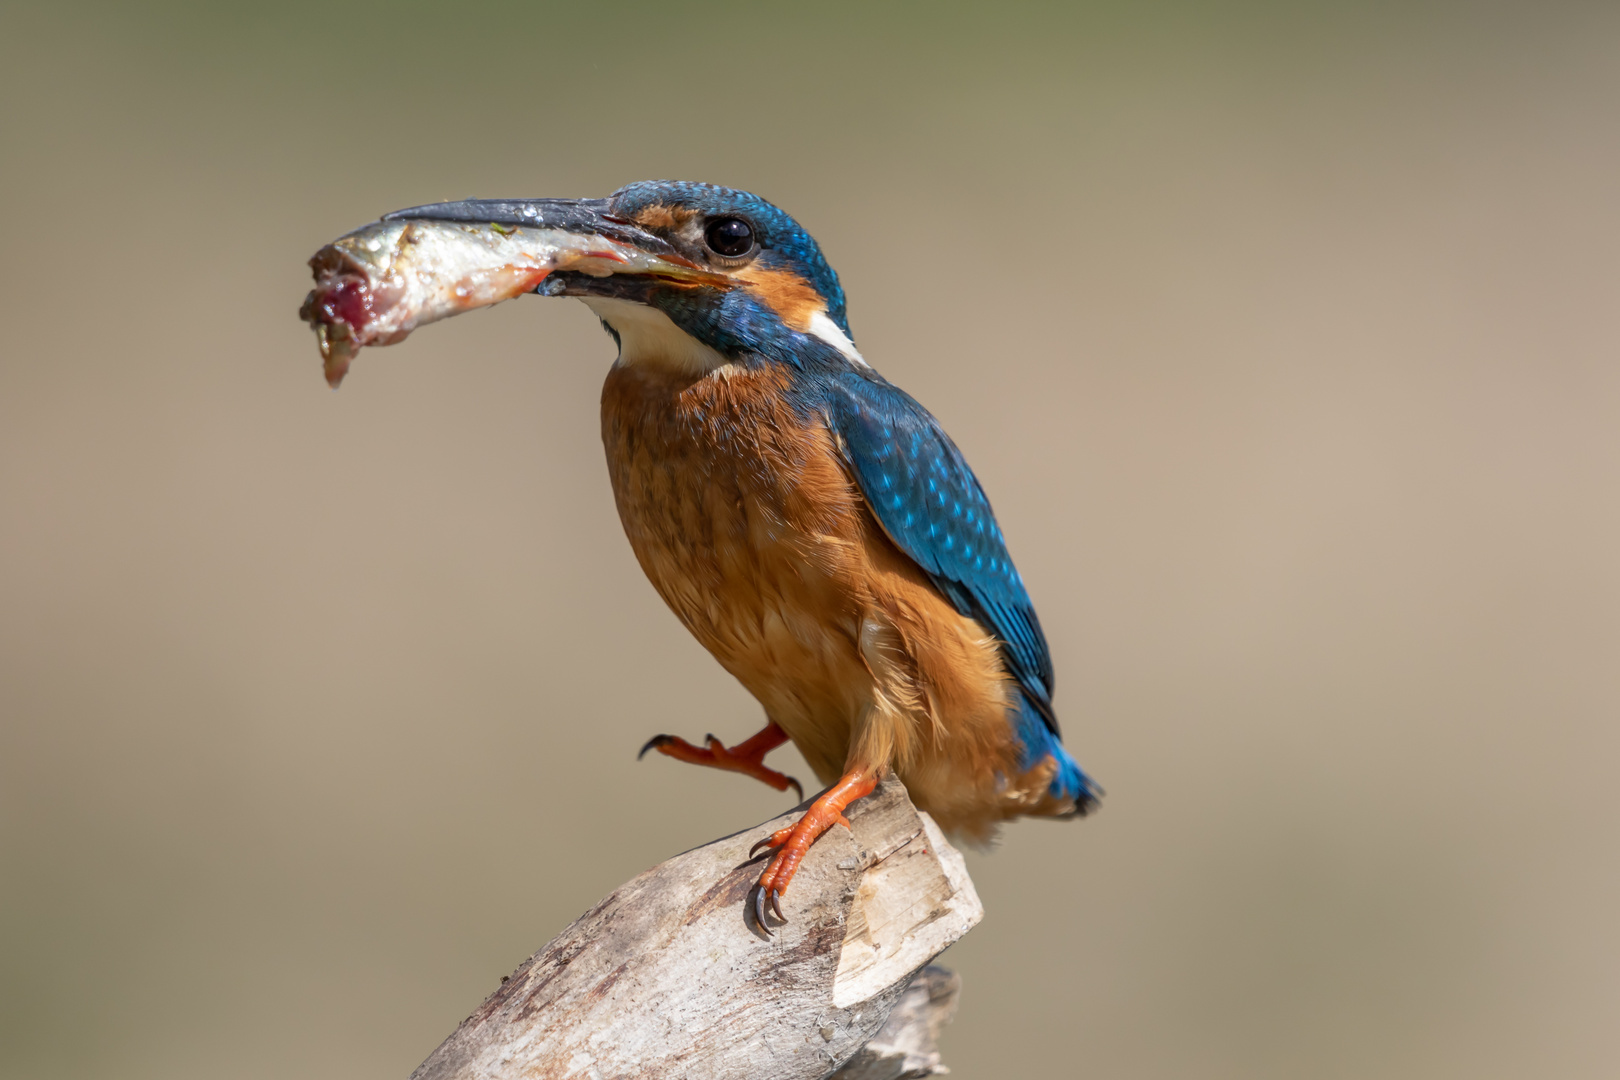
column 729, row 277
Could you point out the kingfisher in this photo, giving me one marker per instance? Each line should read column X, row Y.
column 806, row 520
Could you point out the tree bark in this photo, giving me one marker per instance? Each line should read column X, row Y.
column 669, row 977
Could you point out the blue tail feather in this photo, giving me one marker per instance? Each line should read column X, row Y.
column 1038, row 742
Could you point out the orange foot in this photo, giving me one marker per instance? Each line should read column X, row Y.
column 792, row 842
column 747, row 757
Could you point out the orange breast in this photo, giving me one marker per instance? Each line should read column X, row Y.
column 749, row 526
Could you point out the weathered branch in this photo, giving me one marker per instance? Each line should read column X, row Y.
column 668, row 977
column 907, row 1047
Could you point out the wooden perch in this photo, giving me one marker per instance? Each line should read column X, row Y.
column 669, row 978
column 906, row 1048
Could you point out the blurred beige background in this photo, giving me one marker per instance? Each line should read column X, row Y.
column 1284, row 340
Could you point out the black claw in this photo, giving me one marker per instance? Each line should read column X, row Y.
column 656, row 740
column 710, row 740
column 775, row 905
column 765, row 843
column 759, row 909
column 797, row 786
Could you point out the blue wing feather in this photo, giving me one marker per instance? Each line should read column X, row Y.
column 929, row 502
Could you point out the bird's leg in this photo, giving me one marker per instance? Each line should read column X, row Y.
column 747, row 757
column 792, row 842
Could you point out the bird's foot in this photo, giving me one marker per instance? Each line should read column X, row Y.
column 747, row 757
column 793, row 842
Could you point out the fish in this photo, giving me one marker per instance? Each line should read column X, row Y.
column 376, row 285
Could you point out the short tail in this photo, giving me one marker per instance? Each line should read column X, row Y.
column 1069, row 782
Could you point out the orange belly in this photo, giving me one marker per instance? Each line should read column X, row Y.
column 749, row 526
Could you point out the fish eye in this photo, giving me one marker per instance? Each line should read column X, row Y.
column 729, row 236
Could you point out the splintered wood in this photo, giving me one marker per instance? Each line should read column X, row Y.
column 668, row 977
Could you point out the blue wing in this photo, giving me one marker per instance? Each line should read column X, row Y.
column 929, row 502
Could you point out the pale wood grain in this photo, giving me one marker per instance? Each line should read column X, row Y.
column 668, row 977
column 907, row 1047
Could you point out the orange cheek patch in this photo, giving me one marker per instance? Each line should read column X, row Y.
column 793, row 299
column 661, row 218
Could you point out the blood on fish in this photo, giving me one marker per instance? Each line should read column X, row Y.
column 348, row 300
column 376, row 285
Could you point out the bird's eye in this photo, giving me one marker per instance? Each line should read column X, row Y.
column 730, row 237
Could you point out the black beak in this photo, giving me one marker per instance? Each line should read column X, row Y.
column 585, row 216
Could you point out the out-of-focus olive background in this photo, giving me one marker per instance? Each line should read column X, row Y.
column 1283, row 336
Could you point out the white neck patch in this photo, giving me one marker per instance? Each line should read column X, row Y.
column 648, row 337
column 821, row 326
